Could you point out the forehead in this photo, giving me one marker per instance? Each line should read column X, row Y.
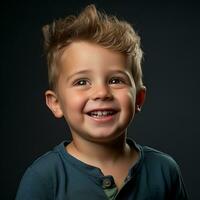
column 83, row 54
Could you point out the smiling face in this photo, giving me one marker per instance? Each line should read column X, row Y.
column 95, row 92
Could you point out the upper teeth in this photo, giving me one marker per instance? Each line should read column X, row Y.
column 101, row 113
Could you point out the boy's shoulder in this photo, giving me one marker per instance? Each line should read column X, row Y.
column 151, row 156
column 155, row 154
column 41, row 176
column 158, row 160
column 48, row 162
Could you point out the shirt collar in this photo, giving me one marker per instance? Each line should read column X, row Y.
column 94, row 171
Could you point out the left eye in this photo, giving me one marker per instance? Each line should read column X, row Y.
column 81, row 82
column 115, row 81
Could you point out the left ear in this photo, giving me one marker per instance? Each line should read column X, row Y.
column 140, row 98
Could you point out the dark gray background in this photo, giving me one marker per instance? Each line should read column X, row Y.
column 169, row 120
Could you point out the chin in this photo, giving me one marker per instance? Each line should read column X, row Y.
column 105, row 137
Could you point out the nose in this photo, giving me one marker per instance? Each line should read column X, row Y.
column 101, row 92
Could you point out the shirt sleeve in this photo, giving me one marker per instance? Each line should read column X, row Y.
column 178, row 191
column 33, row 187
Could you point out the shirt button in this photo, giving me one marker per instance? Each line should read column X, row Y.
column 107, row 183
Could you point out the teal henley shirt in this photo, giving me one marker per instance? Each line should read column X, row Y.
column 59, row 176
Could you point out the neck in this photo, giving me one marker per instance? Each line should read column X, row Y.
column 99, row 153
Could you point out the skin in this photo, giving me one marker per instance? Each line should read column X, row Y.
column 93, row 78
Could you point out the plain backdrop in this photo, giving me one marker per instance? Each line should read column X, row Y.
column 169, row 121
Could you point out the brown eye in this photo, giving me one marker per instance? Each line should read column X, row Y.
column 116, row 81
column 81, row 82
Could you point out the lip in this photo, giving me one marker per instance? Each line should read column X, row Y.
column 114, row 110
column 103, row 119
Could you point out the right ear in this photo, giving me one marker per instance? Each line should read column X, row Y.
column 53, row 103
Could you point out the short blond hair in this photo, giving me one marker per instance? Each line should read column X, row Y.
column 97, row 27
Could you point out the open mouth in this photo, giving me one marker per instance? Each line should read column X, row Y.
column 101, row 113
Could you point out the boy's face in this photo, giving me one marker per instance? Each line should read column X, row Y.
column 95, row 92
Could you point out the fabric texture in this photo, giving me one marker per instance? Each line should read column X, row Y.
column 59, row 176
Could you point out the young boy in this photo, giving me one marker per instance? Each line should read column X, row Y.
column 95, row 78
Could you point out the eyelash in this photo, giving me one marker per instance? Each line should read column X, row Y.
column 118, row 79
column 78, row 82
column 84, row 82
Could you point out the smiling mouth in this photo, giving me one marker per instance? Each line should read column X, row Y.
column 101, row 113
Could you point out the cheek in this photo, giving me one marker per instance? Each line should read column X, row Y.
column 128, row 99
column 74, row 103
column 73, row 108
column 128, row 104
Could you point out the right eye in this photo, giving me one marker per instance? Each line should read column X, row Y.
column 81, row 82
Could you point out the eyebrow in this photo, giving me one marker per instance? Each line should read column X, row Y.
column 120, row 72
column 79, row 73
column 89, row 72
